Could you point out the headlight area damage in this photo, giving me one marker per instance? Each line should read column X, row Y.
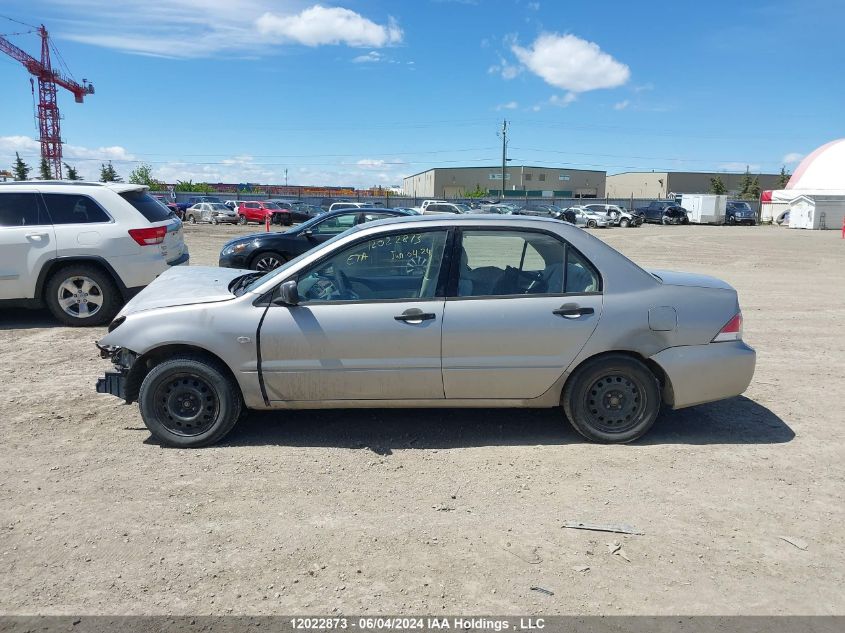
column 115, row 381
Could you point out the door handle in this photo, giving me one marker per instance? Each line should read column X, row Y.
column 572, row 312
column 35, row 237
column 415, row 315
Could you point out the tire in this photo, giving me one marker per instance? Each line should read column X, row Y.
column 267, row 261
column 215, row 221
column 192, row 219
column 624, row 223
column 242, row 220
column 731, row 220
column 591, row 224
column 189, row 401
column 80, row 289
column 665, row 221
column 614, row 215
column 629, row 405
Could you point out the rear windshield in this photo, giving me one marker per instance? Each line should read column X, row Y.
column 149, row 207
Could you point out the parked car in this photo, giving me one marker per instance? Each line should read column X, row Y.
column 739, row 212
column 266, row 251
column 408, row 210
column 582, row 216
column 663, row 212
column 233, row 204
column 446, row 207
column 618, row 215
column 425, row 204
column 212, row 212
column 183, row 206
column 359, row 322
column 299, row 211
column 338, row 206
column 83, row 249
column 170, row 205
column 253, row 211
column 541, row 209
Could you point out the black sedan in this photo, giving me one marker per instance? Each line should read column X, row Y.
column 299, row 211
column 266, row 251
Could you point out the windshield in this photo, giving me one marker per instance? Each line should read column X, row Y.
column 219, row 207
column 741, row 206
column 284, row 267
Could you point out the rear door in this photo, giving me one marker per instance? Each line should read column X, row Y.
column 27, row 243
column 522, row 305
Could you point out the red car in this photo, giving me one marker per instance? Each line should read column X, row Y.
column 258, row 212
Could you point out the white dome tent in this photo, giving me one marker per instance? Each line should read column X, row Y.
column 816, row 190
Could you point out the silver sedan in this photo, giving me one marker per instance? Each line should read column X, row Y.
column 437, row 311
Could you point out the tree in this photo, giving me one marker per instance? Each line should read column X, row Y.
column 71, row 173
column 717, row 186
column 746, row 184
column 477, row 193
column 784, row 177
column 754, row 192
column 21, row 169
column 44, row 170
column 108, row 173
column 143, row 175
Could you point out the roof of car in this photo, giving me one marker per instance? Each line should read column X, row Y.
column 119, row 187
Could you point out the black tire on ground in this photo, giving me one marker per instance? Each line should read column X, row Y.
column 731, row 219
column 266, row 261
column 612, row 399
column 82, row 295
column 665, row 220
column 242, row 220
column 624, row 223
column 591, row 224
column 215, row 221
column 192, row 218
column 189, row 401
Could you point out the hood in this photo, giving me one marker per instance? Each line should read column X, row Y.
column 673, row 278
column 185, row 285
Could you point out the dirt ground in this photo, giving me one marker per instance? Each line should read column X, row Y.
column 433, row 512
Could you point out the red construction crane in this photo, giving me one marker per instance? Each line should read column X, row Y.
column 48, row 110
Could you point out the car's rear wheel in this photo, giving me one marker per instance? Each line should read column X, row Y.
column 242, row 220
column 192, row 219
column 665, row 220
column 267, row 261
column 612, row 399
column 591, row 224
column 189, row 401
column 215, row 221
column 624, row 223
column 81, row 295
column 731, row 219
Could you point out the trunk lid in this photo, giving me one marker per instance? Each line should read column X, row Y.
column 185, row 285
column 674, row 278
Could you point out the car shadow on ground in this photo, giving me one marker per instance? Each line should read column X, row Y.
column 26, row 319
column 735, row 421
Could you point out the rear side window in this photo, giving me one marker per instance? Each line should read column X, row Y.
column 148, row 206
column 21, row 209
column 76, row 209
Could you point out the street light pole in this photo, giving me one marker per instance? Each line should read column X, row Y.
column 504, row 153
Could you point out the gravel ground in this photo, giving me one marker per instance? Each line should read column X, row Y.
column 453, row 511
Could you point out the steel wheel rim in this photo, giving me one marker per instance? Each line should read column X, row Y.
column 186, row 405
column 80, row 297
column 614, row 403
column 267, row 263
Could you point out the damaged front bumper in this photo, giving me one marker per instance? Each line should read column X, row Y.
column 114, row 381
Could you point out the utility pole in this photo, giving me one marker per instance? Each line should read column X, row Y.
column 504, row 153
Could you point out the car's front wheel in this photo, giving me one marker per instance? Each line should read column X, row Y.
column 189, row 401
column 242, row 220
column 612, row 399
column 624, row 223
column 591, row 224
column 192, row 219
column 267, row 261
column 81, row 294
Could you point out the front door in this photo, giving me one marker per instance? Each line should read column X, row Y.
column 27, row 242
column 526, row 303
column 367, row 327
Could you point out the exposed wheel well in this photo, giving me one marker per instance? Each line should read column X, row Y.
column 144, row 363
column 657, row 370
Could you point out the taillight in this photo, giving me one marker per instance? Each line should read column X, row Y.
column 732, row 330
column 148, row 236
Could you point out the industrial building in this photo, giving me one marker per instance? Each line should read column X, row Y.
column 520, row 181
column 660, row 184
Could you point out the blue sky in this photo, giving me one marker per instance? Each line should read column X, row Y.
column 363, row 92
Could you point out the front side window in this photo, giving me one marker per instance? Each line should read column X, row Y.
column 507, row 263
column 396, row 266
column 75, row 209
column 21, row 209
column 335, row 225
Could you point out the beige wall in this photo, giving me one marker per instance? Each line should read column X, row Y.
column 439, row 183
column 649, row 184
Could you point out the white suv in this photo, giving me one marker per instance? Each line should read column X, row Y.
column 83, row 249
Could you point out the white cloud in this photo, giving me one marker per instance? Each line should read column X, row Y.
column 319, row 25
column 372, row 57
column 533, row 6
column 621, row 105
column 203, row 28
column 570, row 63
column 792, row 158
column 565, row 100
column 503, row 68
column 510, row 105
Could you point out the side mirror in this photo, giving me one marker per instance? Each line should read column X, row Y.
column 308, row 233
column 288, row 294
